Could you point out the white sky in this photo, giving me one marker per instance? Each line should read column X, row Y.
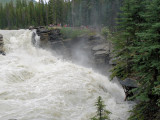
column 43, row 0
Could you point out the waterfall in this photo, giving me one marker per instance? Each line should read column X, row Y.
column 35, row 85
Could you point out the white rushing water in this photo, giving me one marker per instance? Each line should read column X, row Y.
column 35, row 85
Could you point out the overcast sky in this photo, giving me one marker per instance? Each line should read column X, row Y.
column 43, row 0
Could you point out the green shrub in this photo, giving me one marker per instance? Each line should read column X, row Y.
column 105, row 32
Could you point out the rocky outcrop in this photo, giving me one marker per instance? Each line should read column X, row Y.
column 44, row 37
column 89, row 49
column 50, row 38
column 101, row 53
column 1, row 45
column 56, row 40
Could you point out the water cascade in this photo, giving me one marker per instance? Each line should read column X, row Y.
column 36, row 85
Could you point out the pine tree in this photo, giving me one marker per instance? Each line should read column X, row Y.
column 75, row 12
column 50, row 11
column 59, row 11
column 147, row 65
column 126, row 37
column 102, row 114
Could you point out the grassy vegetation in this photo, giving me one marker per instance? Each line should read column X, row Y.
column 68, row 32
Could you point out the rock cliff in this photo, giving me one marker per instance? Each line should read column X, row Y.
column 90, row 50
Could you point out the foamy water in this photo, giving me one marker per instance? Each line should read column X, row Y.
column 35, row 85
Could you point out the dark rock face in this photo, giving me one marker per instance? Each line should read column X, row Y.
column 44, row 36
column 34, row 38
column 1, row 45
column 87, row 50
column 55, row 35
column 55, row 41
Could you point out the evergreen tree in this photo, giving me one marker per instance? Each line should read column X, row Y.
column 59, row 11
column 137, row 49
column 75, row 12
column 126, row 37
column 147, row 64
column 102, row 114
column 50, row 11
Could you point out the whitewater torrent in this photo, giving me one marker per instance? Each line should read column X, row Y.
column 35, row 85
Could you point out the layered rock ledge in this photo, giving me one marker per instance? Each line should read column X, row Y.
column 91, row 50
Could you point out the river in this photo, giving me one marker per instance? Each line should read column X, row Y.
column 36, row 85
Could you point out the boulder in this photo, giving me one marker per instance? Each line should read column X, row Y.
column 128, row 82
column 128, row 85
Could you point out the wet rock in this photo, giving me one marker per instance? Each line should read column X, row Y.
column 101, row 47
column 1, row 36
column 42, row 30
column 31, row 27
column 101, row 57
column 100, row 53
column 112, row 61
column 96, row 40
column 55, row 35
column 34, row 38
column 56, row 41
column 95, row 37
column 1, row 45
column 3, row 53
column 128, row 82
column 44, row 37
column 128, row 85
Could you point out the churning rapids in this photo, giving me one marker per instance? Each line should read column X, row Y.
column 35, row 85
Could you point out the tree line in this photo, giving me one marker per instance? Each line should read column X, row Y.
column 137, row 52
column 22, row 13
